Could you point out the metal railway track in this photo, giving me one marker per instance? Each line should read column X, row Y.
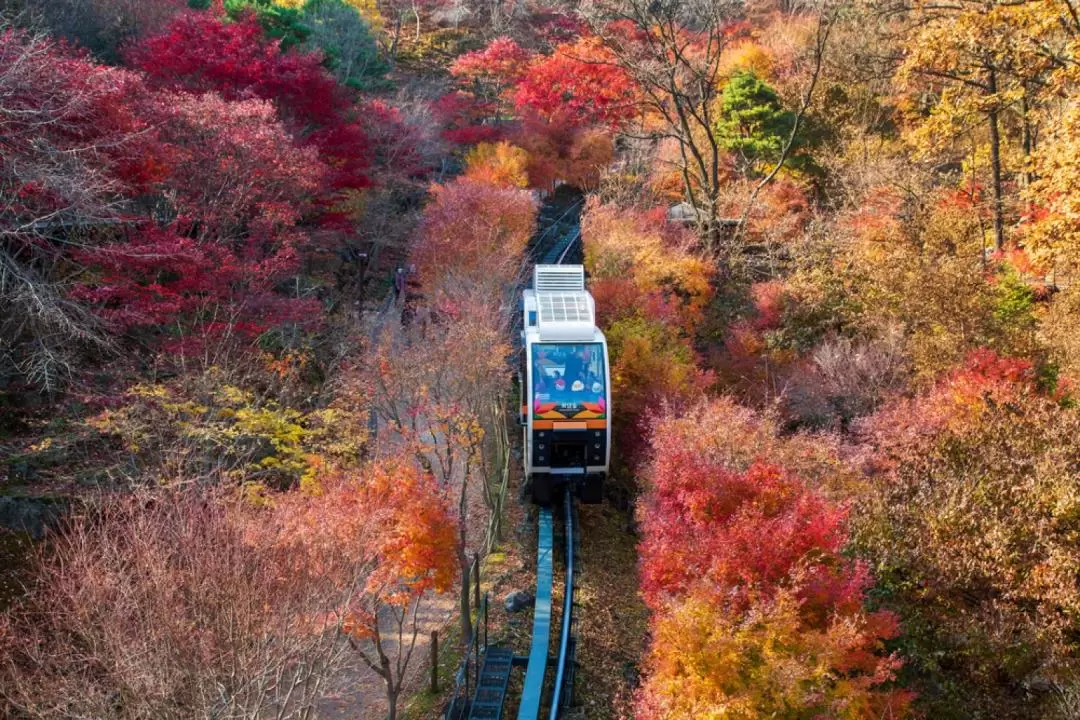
column 562, row 695
column 554, row 235
column 562, row 691
column 532, row 694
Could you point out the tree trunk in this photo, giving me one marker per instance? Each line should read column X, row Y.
column 388, row 677
column 1028, row 139
column 391, row 701
column 465, row 606
column 463, row 556
column 395, row 38
column 995, row 167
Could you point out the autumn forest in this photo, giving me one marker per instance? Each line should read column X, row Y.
column 261, row 265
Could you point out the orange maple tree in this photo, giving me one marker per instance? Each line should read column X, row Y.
column 385, row 538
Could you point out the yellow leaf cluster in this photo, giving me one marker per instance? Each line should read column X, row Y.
column 247, row 438
column 950, row 56
column 1054, row 238
column 500, row 164
column 621, row 244
column 746, row 55
column 705, row 663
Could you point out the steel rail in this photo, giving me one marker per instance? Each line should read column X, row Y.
column 540, row 253
column 576, row 236
column 568, row 586
column 568, row 607
column 533, row 690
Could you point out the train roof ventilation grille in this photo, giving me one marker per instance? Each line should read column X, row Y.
column 558, row 278
column 565, row 307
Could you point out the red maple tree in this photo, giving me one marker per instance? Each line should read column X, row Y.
column 199, row 52
column 580, row 83
column 238, row 187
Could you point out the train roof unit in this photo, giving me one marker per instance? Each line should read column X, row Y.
column 558, row 308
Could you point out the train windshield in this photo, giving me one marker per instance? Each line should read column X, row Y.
column 569, row 380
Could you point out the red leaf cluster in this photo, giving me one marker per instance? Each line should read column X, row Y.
column 562, row 100
column 702, row 525
column 579, row 83
column 500, row 65
column 71, row 138
column 755, row 553
column 239, row 186
column 392, row 519
column 199, row 52
column 957, row 400
column 396, row 143
column 462, row 116
column 198, row 177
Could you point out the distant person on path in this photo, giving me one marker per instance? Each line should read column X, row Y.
column 399, row 284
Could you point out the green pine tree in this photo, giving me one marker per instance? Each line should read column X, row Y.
column 752, row 122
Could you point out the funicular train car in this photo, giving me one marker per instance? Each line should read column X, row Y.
column 566, row 403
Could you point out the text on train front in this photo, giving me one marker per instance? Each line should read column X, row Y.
column 568, row 381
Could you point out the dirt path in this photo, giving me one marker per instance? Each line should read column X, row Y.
column 357, row 693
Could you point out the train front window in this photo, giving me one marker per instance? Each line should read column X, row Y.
column 569, row 380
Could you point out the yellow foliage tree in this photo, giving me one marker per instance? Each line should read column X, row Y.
column 499, row 164
column 707, row 664
column 976, row 61
column 745, row 56
column 1054, row 236
column 214, row 429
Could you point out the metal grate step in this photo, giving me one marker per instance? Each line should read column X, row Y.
column 491, row 686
